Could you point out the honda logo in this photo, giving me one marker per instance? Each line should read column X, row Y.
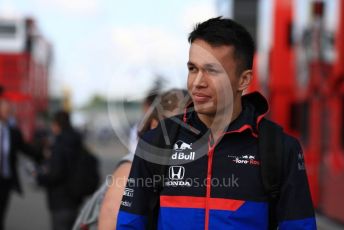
column 176, row 172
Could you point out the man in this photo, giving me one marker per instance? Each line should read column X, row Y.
column 54, row 174
column 213, row 178
column 11, row 142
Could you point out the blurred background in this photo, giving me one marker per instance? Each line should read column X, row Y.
column 99, row 58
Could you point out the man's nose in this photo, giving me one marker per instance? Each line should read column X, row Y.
column 200, row 81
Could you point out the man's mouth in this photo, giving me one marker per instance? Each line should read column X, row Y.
column 201, row 98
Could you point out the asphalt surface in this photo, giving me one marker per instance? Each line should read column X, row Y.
column 29, row 212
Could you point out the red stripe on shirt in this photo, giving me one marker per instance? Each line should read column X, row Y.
column 199, row 202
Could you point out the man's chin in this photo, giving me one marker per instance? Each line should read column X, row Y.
column 204, row 110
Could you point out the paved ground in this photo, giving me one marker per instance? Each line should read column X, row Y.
column 30, row 212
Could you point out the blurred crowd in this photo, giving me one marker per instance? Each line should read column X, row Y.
column 67, row 170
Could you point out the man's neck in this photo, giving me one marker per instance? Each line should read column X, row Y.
column 217, row 123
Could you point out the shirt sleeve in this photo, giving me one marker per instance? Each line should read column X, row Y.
column 26, row 148
column 139, row 194
column 295, row 208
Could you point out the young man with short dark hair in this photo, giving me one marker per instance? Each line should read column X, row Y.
column 206, row 172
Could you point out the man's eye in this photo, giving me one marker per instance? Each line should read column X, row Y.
column 191, row 69
column 212, row 71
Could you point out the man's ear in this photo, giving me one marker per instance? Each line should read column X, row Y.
column 245, row 80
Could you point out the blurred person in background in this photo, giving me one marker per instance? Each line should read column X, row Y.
column 55, row 172
column 11, row 143
column 166, row 105
column 101, row 210
column 89, row 215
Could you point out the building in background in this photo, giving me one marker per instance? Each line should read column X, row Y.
column 299, row 67
column 25, row 60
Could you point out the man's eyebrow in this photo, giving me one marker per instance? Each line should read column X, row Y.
column 207, row 65
column 211, row 65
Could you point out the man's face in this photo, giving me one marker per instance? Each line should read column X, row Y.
column 5, row 110
column 55, row 128
column 212, row 79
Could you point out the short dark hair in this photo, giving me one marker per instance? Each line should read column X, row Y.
column 222, row 31
column 62, row 119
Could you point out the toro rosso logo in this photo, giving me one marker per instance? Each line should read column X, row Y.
column 245, row 160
